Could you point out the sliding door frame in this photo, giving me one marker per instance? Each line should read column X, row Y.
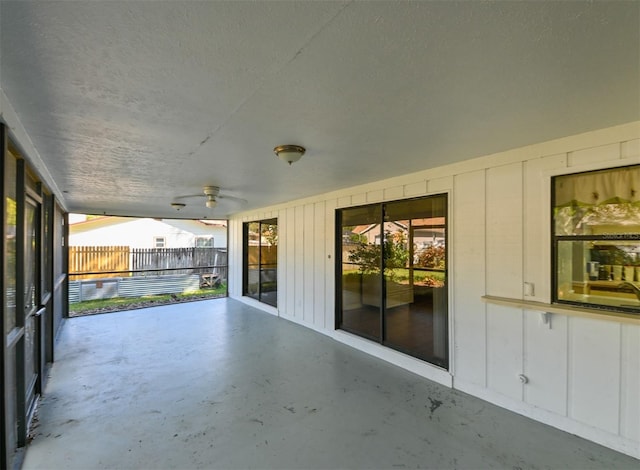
column 440, row 305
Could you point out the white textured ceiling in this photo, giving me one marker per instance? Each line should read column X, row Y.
column 131, row 104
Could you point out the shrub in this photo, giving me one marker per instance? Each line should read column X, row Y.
column 432, row 256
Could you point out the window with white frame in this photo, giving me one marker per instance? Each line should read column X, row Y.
column 204, row 241
column 596, row 239
column 159, row 242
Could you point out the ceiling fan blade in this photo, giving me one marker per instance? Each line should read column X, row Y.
column 187, row 196
column 211, row 193
column 233, row 198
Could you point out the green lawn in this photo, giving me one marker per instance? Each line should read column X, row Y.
column 429, row 278
column 125, row 303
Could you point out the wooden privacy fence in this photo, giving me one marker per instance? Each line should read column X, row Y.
column 98, row 259
column 185, row 260
column 122, row 261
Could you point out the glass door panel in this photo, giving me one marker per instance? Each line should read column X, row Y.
column 261, row 261
column 269, row 262
column 415, row 319
column 253, row 260
column 9, row 414
column 400, row 332
column 32, row 246
column 10, row 223
column 360, row 271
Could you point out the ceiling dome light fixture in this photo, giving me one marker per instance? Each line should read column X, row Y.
column 211, row 202
column 289, row 153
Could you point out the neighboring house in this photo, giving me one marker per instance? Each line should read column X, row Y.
column 148, row 233
column 429, row 233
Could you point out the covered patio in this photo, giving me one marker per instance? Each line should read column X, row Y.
column 219, row 384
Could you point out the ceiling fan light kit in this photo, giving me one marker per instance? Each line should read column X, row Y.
column 289, row 153
column 211, row 192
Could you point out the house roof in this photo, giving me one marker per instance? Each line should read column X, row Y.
column 124, row 106
column 362, row 229
column 98, row 222
column 107, row 221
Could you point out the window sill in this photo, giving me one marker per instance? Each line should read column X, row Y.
column 570, row 310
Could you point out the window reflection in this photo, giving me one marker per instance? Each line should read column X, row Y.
column 261, row 261
column 10, row 243
column 597, row 238
column 395, row 292
column 360, row 272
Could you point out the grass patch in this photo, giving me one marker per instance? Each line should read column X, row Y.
column 351, row 279
column 126, row 303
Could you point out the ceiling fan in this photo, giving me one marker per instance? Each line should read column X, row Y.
column 211, row 193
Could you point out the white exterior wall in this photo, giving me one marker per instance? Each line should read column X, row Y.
column 584, row 374
column 141, row 233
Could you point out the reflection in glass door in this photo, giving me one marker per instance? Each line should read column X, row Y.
column 261, row 261
column 12, row 321
column 252, row 260
column 415, row 318
column 31, row 281
column 406, row 308
column 361, row 287
column 22, row 286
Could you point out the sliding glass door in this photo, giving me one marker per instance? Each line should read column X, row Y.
column 261, row 261
column 393, row 275
column 31, row 299
column 22, row 286
column 360, row 277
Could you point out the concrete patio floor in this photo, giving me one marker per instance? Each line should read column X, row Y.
column 218, row 384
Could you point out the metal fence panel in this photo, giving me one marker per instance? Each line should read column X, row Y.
column 91, row 289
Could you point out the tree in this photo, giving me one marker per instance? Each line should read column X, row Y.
column 367, row 256
column 270, row 233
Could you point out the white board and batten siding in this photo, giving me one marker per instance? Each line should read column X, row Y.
column 468, row 278
column 503, row 265
column 582, row 375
